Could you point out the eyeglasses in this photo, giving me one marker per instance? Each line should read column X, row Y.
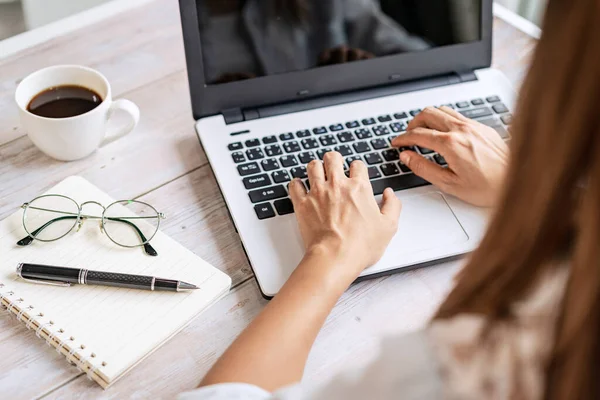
column 127, row 223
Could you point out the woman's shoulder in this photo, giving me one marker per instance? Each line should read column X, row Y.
column 479, row 358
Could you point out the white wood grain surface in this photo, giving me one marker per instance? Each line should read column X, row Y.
column 141, row 53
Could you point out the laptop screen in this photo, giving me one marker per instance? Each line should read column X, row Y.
column 246, row 39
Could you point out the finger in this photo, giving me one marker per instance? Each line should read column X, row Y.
column 297, row 190
column 423, row 137
column 453, row 113
column 433, row 118
column 358, row 169
column 391, row 205
column 426, row 169
column 354, row 55
column 316, row 173
column 334, row 165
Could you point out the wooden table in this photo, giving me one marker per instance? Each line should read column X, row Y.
column 162, row 163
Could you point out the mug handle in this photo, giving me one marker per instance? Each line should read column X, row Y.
column 134, row 113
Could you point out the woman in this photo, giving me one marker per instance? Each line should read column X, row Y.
column 523, row 321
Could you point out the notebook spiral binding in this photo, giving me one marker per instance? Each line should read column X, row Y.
column 72, row 353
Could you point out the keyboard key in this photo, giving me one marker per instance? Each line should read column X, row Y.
column 280, row 176
column 291, row 147
column 284, row 206
column 299, row 172
column 379, row 144
column 381, row 130
column 344, row 150
column 373, row 158
column 449, row 106
column 374, row 173
column 414, row 113
column 270, row 139
column 403, row 167
column 235, row 146
column 401, row 115
column 238, row 157
column 307, row 157
column 440, row 159
column 266, row 194
column 407, row 148
column 423, row 150
column 336, row 127
column 477, row 102
column 493, row 99
column 328, row 140
column 310, row 143
column 352, row 124
column 491, row 122
column 397, row 127
column 269, row 164
column 253, row 182
column 399, row 182
column 384, row 118
column 363, row 133
column 390, row 155
column 462, row 104
column 320, row 130
column 321, row 152
column 252, row 143
column 389, row 169
column 500, row 108
column 368, row 121
column 507, row 119
column 288, row 161
column 273, row 150
column 286, row 136
column 303, row 134
column 477, row 112
column 248, row 169
column 254, row 154
column 264, row 211
column 502, row 132
column 351, row 159
column 345, row 137
column 361, row 147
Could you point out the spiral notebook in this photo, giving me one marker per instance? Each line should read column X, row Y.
column 104, row 331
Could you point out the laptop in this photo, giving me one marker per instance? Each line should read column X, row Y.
column 277, row 83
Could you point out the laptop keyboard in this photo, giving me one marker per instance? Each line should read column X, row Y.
column 267, row 165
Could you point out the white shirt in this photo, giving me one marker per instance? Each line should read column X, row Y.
column 450, row 359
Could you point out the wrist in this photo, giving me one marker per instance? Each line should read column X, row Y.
column 332, row 264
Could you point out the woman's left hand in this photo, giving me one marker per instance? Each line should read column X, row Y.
column 339, row 217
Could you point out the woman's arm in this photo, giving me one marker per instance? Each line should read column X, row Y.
column 344, row 231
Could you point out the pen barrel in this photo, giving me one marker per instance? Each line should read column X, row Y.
column 118, row 280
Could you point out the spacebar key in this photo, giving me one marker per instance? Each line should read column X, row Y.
column 265, row 194
column 399, row 182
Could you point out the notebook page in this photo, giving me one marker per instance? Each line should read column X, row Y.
column 118, row 326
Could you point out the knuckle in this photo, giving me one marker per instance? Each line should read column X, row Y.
column 313, row 164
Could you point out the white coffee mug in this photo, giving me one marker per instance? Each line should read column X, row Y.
column 72, row 138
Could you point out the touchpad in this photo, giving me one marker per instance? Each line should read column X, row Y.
column 426, row 222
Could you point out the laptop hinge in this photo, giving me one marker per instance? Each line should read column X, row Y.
column 466, row 76
column 235, row 115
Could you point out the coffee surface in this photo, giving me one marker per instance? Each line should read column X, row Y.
column 64, row 101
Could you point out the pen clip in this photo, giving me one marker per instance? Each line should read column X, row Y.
column 40, row 281
column 47, row 282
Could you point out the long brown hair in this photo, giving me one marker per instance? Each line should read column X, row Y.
column 550, row 206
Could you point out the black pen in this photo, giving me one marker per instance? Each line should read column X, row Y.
column 61, row 276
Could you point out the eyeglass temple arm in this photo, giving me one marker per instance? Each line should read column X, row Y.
column 28, row 239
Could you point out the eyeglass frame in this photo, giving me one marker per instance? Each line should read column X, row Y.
column 81, row 218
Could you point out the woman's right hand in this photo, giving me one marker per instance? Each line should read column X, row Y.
column 477, row 156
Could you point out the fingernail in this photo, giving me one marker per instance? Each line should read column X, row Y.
column 405, row 158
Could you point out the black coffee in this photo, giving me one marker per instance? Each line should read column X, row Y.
column 64, row 101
